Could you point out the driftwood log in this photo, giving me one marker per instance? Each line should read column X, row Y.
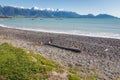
column 65, row 48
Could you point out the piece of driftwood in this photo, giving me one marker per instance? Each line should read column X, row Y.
column 61, row 47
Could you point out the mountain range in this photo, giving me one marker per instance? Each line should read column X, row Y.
column 10, row 11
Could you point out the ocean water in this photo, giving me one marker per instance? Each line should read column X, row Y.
column 109, row 28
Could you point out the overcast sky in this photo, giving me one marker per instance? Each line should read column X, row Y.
column 80, row 6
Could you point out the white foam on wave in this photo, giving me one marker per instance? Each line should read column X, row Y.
column 72, row 32
column 2, row 25
column 96, row 34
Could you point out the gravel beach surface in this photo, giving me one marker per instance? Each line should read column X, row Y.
column 93, row 52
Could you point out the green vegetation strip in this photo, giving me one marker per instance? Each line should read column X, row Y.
column 75, row 76
column 18, row 64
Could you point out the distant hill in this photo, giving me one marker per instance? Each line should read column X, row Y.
column 105, row 16
column 11, row 11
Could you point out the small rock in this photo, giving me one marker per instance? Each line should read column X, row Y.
column 106, row 49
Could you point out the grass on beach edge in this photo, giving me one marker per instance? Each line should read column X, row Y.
column 18, row 64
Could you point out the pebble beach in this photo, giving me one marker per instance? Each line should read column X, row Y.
column 93, row 52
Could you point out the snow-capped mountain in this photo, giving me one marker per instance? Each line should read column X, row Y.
column 47, row 9
column 35, row 12
column 15, row 11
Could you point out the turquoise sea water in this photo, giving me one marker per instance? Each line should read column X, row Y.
column 109, row 28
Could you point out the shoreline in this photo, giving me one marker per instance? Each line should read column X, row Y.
column 64, row 33
column 50, row 35
column 99, row 53
column 54, row 32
